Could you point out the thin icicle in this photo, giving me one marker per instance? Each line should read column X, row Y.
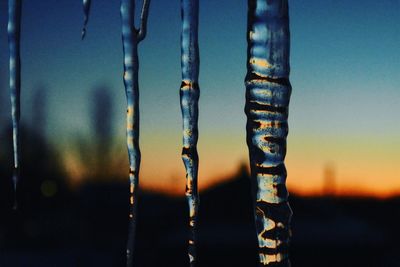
column 130, row 39
column 86, row 12
column 189, row 95
column 14, row 32
column 267, row 102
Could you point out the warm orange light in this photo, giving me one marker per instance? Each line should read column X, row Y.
column 359, row 166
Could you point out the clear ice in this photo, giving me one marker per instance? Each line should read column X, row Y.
column 189, row 96
column 86, row 11
column 130, row 40
column 267, row 104
column 14, row 32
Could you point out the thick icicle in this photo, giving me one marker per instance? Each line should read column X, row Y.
column 130, row 40
column 14, row 30
column 189, row 95
column 267, row 101
column 86, row 11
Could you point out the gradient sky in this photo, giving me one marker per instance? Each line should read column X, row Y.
column 344, row 110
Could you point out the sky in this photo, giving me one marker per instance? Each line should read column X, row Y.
column 345, row 63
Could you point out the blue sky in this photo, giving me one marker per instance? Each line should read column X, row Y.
column 345, row 63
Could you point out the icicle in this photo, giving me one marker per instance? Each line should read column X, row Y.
column 86, row 11
column 130, row 39
column 267, row 101
column 189, row 95
column 14, row 31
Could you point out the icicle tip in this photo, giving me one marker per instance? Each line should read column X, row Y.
column 83, row 34
column 15, row 180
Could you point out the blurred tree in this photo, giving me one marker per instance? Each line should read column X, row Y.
column 101, row 117
column 42, row 177
column 39, row 106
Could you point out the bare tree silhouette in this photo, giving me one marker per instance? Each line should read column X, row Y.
column 39, row 107
column 101, row 110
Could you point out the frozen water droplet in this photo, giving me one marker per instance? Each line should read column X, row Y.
column 189, row 97
column 14, row 31
column 267, row 100
column 86, row 12
column 130, row 40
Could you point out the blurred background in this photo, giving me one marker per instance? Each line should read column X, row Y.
column 343, row 156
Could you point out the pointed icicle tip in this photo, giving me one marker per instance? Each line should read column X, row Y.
column 83, row 33
column 86, row 11
column 15, row 180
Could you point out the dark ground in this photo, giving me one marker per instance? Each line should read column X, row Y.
column 89, row 227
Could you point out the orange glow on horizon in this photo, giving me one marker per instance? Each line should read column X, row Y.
column 360, row 167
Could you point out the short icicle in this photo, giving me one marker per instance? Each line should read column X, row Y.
column 189, row 96
column 14, row 32
column 130, row 40
column 267, row 104
column 86, row 11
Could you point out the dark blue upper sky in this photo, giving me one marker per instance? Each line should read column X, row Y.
column 344, row 57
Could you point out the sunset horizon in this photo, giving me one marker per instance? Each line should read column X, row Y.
column 342, row 112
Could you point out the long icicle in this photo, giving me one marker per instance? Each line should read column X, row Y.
column 267, row 102
column 14, row 32
column 130, row 40
column 189, row 96
column 86, row 12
